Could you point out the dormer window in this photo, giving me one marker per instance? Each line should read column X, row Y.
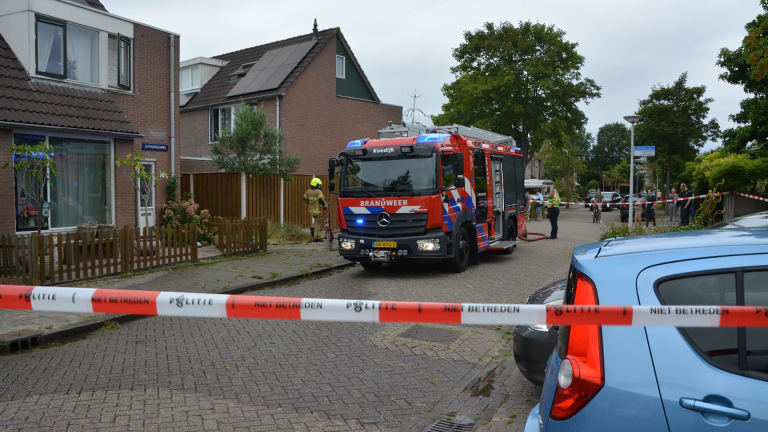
column 67, row 51
column 241, row 71
column 190, row 78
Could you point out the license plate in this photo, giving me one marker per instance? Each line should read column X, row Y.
column 385, row 244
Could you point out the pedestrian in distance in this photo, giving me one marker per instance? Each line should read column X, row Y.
column 315, row 204
column 527, row 206
column 650, row 208
column 553, row 211
column 687, row 203
column 673, row 205
column 539, row 205
column 599, row 203
column 639, row 208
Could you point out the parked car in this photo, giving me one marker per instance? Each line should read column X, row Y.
column 624, row 208
column 532, row 344
column 633, row 378
column 611, row 200
column 588, row 200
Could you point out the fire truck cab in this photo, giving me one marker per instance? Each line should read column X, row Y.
column 436, row 196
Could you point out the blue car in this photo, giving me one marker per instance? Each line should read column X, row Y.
column 661, row 378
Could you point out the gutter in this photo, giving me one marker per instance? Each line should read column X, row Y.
column 173, row 105
column 72, row 130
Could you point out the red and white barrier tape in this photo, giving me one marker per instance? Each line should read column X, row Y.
column 89, row 300
column 676, row 200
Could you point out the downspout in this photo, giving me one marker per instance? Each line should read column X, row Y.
column 173, row 105
column 282, row 182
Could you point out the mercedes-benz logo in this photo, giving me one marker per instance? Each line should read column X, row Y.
column 383, row 219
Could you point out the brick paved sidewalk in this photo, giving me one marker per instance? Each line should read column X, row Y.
column 280, row 264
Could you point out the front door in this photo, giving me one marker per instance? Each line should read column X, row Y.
column 146, row 198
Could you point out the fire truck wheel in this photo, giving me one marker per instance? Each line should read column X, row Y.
column 369, row 265
column 460, row 259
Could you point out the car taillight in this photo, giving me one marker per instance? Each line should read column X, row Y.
column 581, row 374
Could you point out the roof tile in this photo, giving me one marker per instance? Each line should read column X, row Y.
column 34, row 102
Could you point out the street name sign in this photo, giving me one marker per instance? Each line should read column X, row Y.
column 645, row 150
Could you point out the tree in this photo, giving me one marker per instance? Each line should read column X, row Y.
column 674, row 121
column 523, row 81
column 611, row 148
column 253, row 146
column 33, row 166
column 747, row 66
column 563, row 163
column 143, row 181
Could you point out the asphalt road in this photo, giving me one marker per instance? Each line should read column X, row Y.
column 183, row 374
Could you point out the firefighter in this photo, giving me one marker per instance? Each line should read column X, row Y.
column 316, row 204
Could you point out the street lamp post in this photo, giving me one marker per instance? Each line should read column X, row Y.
column 632, row 119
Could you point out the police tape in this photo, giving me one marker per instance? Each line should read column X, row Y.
column 178, row 304
column 661, row 201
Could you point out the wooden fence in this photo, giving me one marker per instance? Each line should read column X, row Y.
column 241, row 235
column 62, row 257
column 265, row 197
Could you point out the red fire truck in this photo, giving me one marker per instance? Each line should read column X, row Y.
column 436, row 196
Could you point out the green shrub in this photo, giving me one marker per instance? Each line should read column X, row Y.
column 185, row 212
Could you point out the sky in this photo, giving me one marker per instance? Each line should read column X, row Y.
column 405, row 48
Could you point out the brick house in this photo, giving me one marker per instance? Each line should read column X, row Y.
column 94, row 86
column 311, row 86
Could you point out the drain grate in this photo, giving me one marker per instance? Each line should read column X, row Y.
column 444, row 425
column 19, row 340
column 430, row 334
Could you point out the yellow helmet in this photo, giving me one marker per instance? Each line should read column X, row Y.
column 316, row 182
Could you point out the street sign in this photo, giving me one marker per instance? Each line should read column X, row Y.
column 645, row 150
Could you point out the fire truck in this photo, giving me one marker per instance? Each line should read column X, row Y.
column 436, row 196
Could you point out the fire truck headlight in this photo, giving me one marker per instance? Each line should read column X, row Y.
column 346, row 244
column 428, row 244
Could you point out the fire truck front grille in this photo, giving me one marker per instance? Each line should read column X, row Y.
column 399, row 225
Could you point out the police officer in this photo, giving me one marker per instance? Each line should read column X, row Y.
column 316, row 204
column 553, row 212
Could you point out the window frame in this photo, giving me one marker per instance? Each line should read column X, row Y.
column 211, row 133
column 741, row 332
column 63, row 25
column 343, row 67
column 194, row 86
column 129, row 68
column 110, row 212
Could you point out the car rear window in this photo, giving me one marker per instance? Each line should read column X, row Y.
column 738, row 350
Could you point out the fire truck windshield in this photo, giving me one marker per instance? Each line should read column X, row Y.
column 406, row 175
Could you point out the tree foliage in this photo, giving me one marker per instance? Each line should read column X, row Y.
column 747, row 67
column 611, row 148
column 33, row 166
column 728, row 172
column 253, row 146
column 562, row 164
column 675, row 122
column 524, row 81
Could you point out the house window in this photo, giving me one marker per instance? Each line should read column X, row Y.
column 67, row 51
column 190, row 78
column 119, row 60
column 221, row 119
column 50, row 47
column 81, row 192
column 340, row 65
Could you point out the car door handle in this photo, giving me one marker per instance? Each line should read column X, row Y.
column 710, row 408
